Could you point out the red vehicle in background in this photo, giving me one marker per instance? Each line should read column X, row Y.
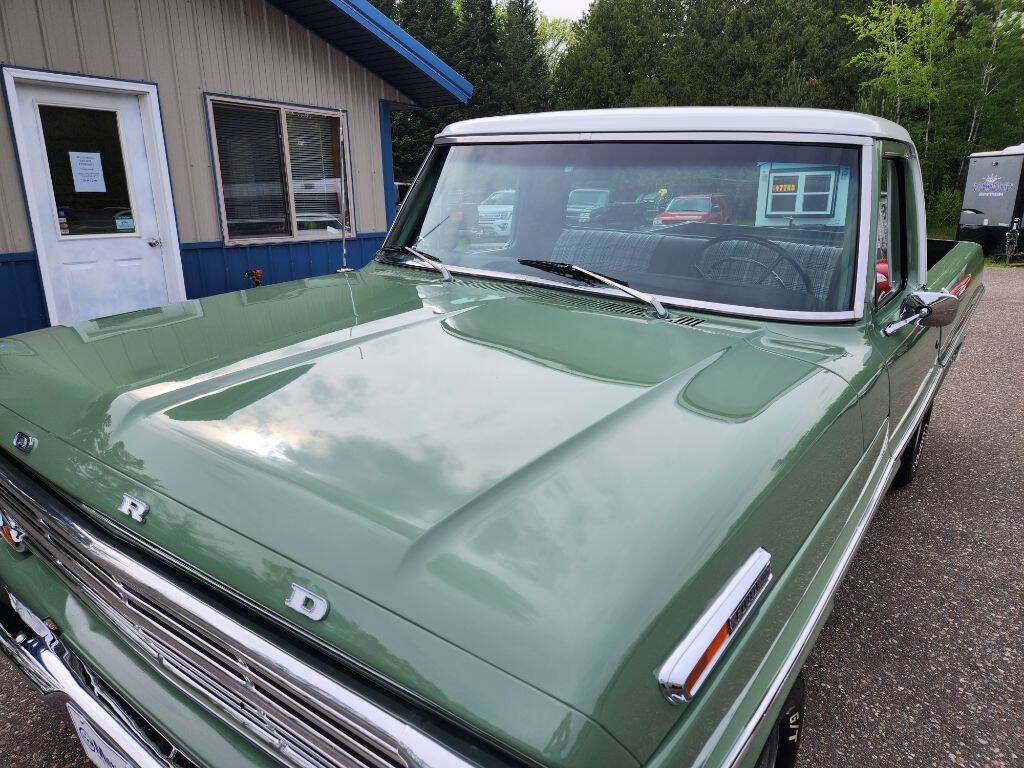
column 707, row 209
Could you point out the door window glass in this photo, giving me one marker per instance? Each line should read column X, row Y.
column 890, row 261
column 90, row 187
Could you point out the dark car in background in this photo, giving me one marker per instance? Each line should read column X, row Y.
column 582, row 202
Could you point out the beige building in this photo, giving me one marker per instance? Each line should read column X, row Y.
column 161, row 149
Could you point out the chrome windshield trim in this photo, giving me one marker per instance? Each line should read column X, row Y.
column 732, row 310
column 865, row 143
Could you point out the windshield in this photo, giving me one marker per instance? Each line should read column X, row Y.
column 699, row 204
column 786, row 241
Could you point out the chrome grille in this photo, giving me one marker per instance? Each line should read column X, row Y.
column 284, row 705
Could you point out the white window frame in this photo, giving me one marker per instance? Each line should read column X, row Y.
column 798, row 195
column 282, row 109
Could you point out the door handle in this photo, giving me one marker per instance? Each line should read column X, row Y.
column 154, row 242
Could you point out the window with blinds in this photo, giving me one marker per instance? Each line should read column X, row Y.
column 314, row 151
column 282, row 171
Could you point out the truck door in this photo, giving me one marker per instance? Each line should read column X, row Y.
column 900, row 268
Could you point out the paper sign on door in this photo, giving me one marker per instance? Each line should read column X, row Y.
column 87, row 172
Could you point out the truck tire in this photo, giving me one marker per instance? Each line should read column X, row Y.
column 782, row 745
column 911, row 458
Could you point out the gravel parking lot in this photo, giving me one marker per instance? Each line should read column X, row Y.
column 922, row 662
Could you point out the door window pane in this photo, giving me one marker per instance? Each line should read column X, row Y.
column 890, row 263
column 90, row 187
column 252, row 170
column 315, row 152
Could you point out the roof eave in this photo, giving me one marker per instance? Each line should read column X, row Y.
column 386, row 49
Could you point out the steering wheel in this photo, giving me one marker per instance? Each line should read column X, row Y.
column 769, row 270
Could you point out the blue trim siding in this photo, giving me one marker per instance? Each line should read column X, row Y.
column 387, row 160
column 209, row 268
column 22, row 305
column 215, row 268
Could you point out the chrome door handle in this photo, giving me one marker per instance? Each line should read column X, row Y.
column 153, row 242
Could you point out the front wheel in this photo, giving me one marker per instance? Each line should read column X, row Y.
column 784, row 741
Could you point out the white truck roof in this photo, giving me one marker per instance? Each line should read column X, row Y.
column 685, row 119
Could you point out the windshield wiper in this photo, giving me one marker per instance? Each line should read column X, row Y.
column 422, row 257
column 571, row 270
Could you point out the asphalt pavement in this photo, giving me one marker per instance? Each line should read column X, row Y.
column 922, row 661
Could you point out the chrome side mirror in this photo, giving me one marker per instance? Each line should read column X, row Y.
column 928, row 308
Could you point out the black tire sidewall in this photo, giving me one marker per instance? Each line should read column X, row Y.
column 910, row 461
column 784, row 741
column 790, row 725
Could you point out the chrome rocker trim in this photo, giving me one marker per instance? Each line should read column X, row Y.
column 281, row 703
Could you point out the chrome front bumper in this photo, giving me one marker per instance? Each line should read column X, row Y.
column 53, row 669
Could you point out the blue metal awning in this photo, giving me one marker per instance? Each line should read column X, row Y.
column 371, row 38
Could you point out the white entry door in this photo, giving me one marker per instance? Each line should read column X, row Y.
column 98, row 197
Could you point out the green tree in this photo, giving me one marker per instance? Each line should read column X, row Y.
column 769, row 52
column 907, row 57
column 993, row 50
column 618, row 55
column 433, row 23
column 523, row 81
column 387, row 7
column 784, row 53
column 478, row 59
column 952, row 73
column 556, row 35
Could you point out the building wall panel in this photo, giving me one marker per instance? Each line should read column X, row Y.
column 244, row 48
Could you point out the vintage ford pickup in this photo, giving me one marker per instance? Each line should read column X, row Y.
column 576, row 496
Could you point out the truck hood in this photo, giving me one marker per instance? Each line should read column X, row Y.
column 550, row 483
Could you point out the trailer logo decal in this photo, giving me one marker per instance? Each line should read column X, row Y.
column 992, row 186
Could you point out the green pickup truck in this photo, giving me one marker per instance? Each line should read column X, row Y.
column 579, row 498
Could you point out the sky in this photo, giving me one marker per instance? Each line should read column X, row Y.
column 566, row 9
